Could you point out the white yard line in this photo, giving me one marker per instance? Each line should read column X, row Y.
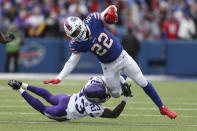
column 151, row 103
column 123, row 114
column 175, row 109
column 73, row 76
column 150, row 115
column 128, row 108
column 109, row 102
column 28, row 122
column 101, row 123
column 4, row 88
column 12, row 100
column 20, row 113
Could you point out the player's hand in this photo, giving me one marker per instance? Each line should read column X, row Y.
column 111, row 15
column 10, row 37
column 126, row 90
column 6, row 38
column 54, row 81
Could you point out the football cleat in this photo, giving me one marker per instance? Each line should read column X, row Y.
column 165, row 111
column 15, row 84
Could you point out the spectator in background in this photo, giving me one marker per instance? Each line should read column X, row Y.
column 20, row 11
column 163, row 10
column 9, row 10
column 143, row 29
column 131, row 44
column 52, row 26
column 61, row 18
column 20, row 19
column 3, row 24
column 12, row 48
column 148, row 28
column 94, row 5
column 170, row 27
column 193, row 11
column 36, row 24
column 78, row 8
column 186, row 28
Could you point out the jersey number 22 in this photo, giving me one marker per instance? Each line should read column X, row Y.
column 98, row 48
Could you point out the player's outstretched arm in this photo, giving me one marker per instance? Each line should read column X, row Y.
column 68, row 68
column 119, row 108
column 109, row 15
column 6, row 38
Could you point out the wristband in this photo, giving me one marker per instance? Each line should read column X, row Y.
column 125, row 99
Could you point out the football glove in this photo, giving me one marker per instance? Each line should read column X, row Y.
column 111, row 15
column 126, row 90
column 54, row 81
column 10, row 37
column 6, row 38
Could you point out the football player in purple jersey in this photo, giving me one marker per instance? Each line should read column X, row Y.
column 87, row 102
column 91, row 35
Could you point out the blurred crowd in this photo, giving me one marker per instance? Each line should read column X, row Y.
column 148, row 19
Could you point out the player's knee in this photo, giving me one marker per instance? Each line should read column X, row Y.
column 141, row 81
column 115, row 94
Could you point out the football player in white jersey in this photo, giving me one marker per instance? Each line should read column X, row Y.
column 91, row 35
column 87, row 102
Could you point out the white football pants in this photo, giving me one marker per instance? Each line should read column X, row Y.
column 124, row 63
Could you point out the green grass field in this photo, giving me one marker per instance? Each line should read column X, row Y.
column 140, row 113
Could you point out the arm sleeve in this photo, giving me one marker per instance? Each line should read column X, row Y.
column 70, row 65
column 105, row 11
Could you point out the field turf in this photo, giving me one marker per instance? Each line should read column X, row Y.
column 140, row 113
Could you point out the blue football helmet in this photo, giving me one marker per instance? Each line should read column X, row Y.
column 96, row 93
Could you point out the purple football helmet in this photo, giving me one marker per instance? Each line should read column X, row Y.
column 96, row 93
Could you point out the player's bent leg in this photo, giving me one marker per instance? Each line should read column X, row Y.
column 133, row 71
column 52, row 99
column 152, row 93
column 42, row 93
column 113, row 84
column 116, row 94
column 34, row 102
column 55, row 99
column 147, row 87
column 58, row 111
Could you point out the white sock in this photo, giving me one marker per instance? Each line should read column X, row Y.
column 24, row 85
column 21, row 90
column 122, row 80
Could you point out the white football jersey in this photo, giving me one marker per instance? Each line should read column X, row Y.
column 79, row 106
